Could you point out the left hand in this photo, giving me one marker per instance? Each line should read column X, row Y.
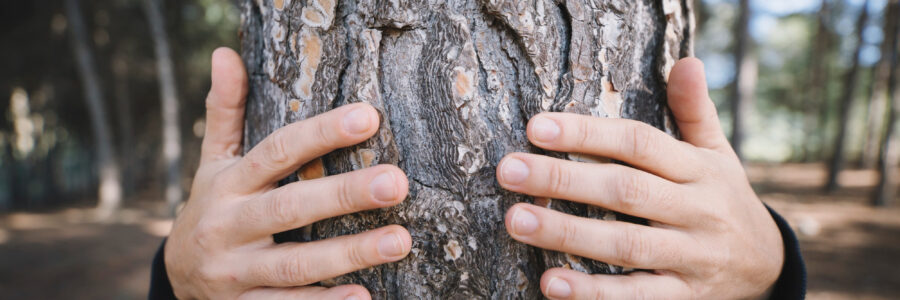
column 709, row 235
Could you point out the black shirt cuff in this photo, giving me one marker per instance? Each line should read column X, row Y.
column 160, row 287
column 791, row 283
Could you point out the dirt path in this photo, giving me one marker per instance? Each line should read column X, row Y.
column 852, row 251
column 65, row 255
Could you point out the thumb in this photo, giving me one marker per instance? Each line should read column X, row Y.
column 694, row 111
column 225, row 106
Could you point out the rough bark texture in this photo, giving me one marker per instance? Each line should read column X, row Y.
column 455, row 82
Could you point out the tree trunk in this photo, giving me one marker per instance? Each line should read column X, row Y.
column 890, row 152
column 110, row 177
column 838, row 156
column 124, row 122
column 169, row 94
column 744, row 86
column 875, row 124
column 817, row 92
column 455, row 83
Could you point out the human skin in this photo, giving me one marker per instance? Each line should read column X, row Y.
column 709, row 236
column 708, row 233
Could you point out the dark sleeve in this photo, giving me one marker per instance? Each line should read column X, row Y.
column 792, row 282
column 160, row 288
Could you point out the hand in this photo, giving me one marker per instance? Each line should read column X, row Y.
column 709, row 236
column 221, row 245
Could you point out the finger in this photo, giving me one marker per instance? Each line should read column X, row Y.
column 290, row 147
column 298, row 264
column 694, row 111
column 633, row 142
column 347, row 292
column 561, row 283
column 225, row 106
column 305, row 202
column 611, row 186
column 613, row 242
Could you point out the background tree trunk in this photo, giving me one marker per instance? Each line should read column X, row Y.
column 875, row 124
column 746, row 71
column 124, row 121
column 838, row 156
column 816, row 101
column 169, row 97
column 110, row 191
column 890, row 153
column 456, row 82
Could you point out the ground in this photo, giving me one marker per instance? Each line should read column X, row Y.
column 851, row 249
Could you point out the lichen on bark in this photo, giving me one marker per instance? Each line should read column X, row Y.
column 455, row 83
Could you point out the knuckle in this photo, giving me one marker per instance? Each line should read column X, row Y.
column 294, row 271
column 560, row 179
column 600, row 293
column 632, row 191
column 641, row 144
column 568, row 234
column 641, row 293
column 709, row 213
column 632, row 248
column 356, row 257
column 323, row 134
column 706, row 170
column 345, row 199
column 586, row 134
column 208, row 233
column 669, row 197
column 277, row 148
column 212, row 273
column 281, row 207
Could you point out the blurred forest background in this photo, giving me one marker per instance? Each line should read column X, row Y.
column 102, row 119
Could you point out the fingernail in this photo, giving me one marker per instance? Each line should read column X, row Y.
column 558, row 289
column 544, row 129
column 357, row 121
column 514, row 171
column 352, row 297
column 390, row 246
column 524, row 222
column 383, row 187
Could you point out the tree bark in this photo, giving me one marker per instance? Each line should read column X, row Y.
column 744, row 86
column 124, row 122
column 455, row 83
column 838, row 156
column 816, row 102
column 886, row 189
column 110, row 191
column 169, row 98
column 875, row 124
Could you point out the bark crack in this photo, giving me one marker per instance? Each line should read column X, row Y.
column 564, row 58
column 435, row 187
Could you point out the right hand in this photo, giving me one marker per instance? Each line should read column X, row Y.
column 221, row 245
